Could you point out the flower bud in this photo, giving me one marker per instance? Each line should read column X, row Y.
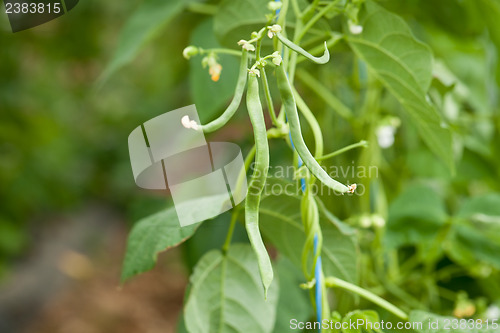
column 354, row 28
column 214, row 68
column 190, row 51
column 274, row 5
column 215, row 71
column 277, row 58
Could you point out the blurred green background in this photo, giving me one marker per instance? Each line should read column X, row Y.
column 63, row 140
column 63, row 152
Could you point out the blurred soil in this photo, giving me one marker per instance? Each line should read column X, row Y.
column 70, row 284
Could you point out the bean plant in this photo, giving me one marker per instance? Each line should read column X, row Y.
column 403, row 247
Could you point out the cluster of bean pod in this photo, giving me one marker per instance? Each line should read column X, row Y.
column 257, row 183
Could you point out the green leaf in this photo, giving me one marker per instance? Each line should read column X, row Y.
column 484, row 208
column 339, row 252
column 211, row 97
column 415, row 217
column 181, row 325
column 490, row 11
column 211, row 236
column 236, row 20
column 404, row 66
column 293, row 301
column 475, row 236
column 227, row 295
column 281, row 224
column 149, row 237
column 367, row 316
column 423, row 164
column 142, row 26
column 469, row 246
column 440, row 324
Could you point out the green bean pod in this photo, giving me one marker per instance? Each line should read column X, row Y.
column 294, row 123
column 235, row 102
column 257, row 182
column 291, row 45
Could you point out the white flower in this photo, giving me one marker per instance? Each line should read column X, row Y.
column 249, row 47
column 187, row 123
column 493, row 312
column 385, row 136
column 274, row 5
column 378, row 221
column 273, row 30
column 354, row 28
column 365, row 221
column 190, row 51
column 246, row 45
column 277, row 58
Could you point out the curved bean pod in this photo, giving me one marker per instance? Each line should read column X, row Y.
column 258, row 181
column 291, row 45
column 235, row 102
column 293, row 120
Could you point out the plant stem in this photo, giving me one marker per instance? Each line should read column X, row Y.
column 315, row 40
column 265, row 84
column 335, row 282
column 403, row 296
column 223, row 51
column 309, row 11
column 315, row 19
column 325, row 304
column 202, row 8
column 257, row 49
column 242, row 175
column 269, row 101
column 325, row 94
column 296, row 9
column 230, row 231
column 448, row 294
column 282, row 14
column 361, row 143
